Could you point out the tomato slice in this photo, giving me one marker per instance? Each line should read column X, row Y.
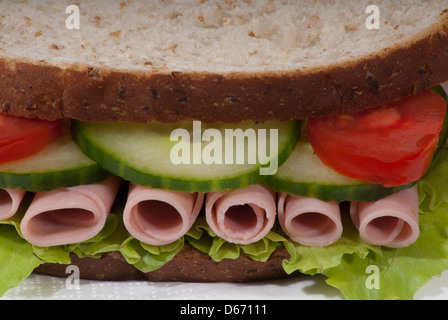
column 390, row 145
column 23, row 137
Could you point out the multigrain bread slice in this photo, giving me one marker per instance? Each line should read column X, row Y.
column 189, row 265
column 210, row 60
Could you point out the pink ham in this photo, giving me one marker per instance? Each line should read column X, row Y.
column 159, row 217
column 309, row 221
column 241, row 216
column 10, row 200
column 69, row 215
column 391, row 221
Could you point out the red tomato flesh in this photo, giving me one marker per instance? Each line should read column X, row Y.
column 390, row 145
column 23, row 137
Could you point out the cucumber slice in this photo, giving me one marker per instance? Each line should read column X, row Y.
column 304, row 174
column 59, row 164
column 141, row 153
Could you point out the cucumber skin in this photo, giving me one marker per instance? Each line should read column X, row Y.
column 121, row 169
column 47, row 181
column 337, row 193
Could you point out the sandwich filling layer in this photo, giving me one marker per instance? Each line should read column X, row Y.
column 250, row 216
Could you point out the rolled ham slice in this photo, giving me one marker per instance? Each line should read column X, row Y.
column 69, row 215
column 391, row 221
column 309, row 221
column 10, row 200
column 241, row 216
column 159, row 217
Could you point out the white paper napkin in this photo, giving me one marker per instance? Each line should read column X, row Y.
column 40, row 287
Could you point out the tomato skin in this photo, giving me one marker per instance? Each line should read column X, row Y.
column 390, row 145
column 23, row 137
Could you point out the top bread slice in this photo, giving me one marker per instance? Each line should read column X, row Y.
column 216, row 61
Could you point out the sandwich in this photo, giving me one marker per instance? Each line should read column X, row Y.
column 212, row 141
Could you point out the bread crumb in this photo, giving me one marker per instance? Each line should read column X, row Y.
column 96, row 21
column 38, row 34
column 28, row 21
column 226, row 21
column 175, row 15
column 201, row 18
column 251, row 34
column 172, row 48
column 253, row 53
column 54, row 47
column 162, row 68
column 115, row 33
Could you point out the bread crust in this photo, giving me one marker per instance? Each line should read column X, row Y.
column 189, row 265
column 95, row 93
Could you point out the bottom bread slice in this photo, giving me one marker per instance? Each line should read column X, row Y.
column 189, row 265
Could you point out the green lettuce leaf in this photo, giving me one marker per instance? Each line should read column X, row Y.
column 147, row 258
column 17, row 259
column 401, row 272
column 202, row 237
